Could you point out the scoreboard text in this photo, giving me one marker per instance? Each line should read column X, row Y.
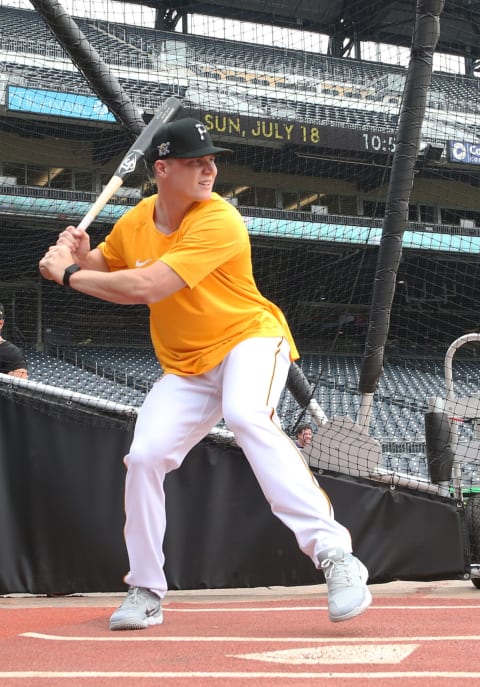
column 249, row 129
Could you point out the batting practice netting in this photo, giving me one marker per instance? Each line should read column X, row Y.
column 356, row 167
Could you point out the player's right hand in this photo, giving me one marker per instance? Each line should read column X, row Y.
column 77, row 241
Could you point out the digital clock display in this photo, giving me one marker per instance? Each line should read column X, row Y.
column 378, row 142
column 244, row 129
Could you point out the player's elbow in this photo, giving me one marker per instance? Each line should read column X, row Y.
column 156, row 284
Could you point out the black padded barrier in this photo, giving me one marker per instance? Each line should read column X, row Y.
column 61, row 513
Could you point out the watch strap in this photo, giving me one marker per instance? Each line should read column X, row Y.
column 71, row 269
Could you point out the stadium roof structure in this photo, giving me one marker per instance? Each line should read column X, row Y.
column 381, row 21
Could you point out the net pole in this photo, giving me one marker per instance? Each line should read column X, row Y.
column 90, row 64
column 419, row 75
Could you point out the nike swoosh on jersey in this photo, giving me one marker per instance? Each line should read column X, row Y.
column 141, row 263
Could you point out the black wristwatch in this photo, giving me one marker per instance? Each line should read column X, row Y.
column 71, row 269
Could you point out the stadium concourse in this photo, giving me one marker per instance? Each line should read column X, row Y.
column 312, row 114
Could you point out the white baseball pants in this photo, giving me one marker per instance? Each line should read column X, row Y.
column 178, row 412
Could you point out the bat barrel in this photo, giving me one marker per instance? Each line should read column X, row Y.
column 136, row 152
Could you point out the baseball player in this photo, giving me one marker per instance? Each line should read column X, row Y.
column 225, row 351
column 12, row 360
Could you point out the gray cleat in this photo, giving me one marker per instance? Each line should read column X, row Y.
column 346, row 578
column 140, row 609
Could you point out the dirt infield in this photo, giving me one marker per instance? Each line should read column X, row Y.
column 421, row 634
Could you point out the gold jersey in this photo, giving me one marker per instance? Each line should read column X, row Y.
column 193, row 329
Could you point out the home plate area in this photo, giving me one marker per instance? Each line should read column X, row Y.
column 408, row 641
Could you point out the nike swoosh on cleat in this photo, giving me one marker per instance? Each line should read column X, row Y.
column 152, row 611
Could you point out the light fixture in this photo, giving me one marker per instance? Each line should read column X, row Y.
column 433, row 152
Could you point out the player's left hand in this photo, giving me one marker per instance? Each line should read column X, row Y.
column 53, row 264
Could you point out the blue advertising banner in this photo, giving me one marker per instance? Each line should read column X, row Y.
column 39, row 101
column 464, row 152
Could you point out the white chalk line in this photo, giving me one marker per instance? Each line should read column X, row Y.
column 225, row 675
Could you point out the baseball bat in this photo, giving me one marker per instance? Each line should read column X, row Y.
column 136, row 152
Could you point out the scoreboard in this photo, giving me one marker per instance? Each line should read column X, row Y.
column 248, row 129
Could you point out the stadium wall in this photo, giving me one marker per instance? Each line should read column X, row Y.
column 61, row 513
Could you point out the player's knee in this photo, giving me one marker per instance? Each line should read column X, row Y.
column 240, row 420
column 148, row 455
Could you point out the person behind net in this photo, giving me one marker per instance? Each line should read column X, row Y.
column 225, row 351
column 12, row 360
column 303, row 436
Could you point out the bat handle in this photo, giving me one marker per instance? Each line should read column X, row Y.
column 110, row 189
column 86, row 221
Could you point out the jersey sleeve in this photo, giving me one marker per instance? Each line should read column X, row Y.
column 114, row 248
column 111, row 249
column 213, row 236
